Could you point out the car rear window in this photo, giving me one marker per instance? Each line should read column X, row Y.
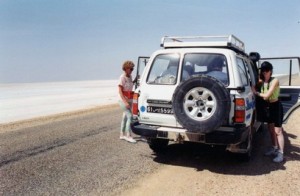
column 214, row 65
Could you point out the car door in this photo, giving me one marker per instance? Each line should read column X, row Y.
column 246, row 77
column 287, row 71
column 142, row 62
column 158, row 83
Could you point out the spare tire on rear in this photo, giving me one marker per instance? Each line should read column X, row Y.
column 201, row 104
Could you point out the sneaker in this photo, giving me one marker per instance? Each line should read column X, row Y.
column 122, row 137
column 272, row 151
column 278, row 158
column 130, row 139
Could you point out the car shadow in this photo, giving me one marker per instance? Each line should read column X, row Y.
column 217, row 159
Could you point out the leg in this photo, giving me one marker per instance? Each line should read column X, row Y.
column 279, row 157
column 274, row 149
column 278, row 127
column 279, row 133
column 124, row 119
column 273, row 135
column 123, row 125
column 280, row 138
column 128, row 128
column 128, row 122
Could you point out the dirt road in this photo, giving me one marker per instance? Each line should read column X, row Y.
column 215, row 173
column 80, row 154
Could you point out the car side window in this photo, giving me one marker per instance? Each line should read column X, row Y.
column 251, row 73
column 242, row 71
column 164, row 69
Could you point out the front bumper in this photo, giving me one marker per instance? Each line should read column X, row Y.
column 221, row 136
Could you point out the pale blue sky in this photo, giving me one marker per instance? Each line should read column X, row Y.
column 67, row 40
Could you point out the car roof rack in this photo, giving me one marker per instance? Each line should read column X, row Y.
column 223, row 41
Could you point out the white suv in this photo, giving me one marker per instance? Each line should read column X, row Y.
column 197, row 89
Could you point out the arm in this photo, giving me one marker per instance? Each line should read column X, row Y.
column 256, row 88
column 266, row 95
column 135, row 80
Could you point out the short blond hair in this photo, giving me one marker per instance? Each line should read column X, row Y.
column 127, row 64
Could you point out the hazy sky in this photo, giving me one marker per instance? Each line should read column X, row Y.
column 67, row 40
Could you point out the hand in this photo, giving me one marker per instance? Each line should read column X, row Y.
column 127, row 105
column 253, row 90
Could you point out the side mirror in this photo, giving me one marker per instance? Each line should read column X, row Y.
column 240, row 89
column 254, row 56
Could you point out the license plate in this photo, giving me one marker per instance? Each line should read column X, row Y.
column 161, row 110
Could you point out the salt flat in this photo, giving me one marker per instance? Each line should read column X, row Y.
column 24, row 101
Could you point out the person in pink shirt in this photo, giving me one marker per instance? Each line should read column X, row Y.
column 125, row 86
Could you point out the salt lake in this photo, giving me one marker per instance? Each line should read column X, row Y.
column 21, row 101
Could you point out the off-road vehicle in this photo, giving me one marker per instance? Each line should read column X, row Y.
column 198, row 89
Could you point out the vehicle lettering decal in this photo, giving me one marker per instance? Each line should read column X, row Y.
column 248, row 116
column 250, row 105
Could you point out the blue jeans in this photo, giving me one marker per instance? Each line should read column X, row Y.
column 126, row 119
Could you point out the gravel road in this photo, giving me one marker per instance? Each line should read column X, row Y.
column 80, row 154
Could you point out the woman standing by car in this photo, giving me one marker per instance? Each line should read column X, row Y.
column 270, row 93
column 125, row 93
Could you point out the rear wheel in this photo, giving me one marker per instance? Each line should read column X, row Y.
column 157, row 144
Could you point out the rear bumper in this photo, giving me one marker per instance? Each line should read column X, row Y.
column 144, row 130
column 221, row 136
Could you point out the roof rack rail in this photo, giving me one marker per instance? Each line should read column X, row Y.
column 229, row 41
